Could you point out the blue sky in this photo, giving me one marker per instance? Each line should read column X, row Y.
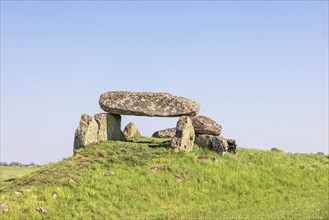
column 259, row 68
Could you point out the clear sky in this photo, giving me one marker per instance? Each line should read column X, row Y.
column 259, row 68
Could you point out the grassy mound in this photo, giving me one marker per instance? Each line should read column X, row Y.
column 146, row 179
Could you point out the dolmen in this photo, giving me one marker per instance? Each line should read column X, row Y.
column 191, row 128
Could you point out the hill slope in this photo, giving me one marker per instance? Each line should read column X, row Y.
column 145, row 179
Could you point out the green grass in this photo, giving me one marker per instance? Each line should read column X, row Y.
column 151, row 181
column 7, row 172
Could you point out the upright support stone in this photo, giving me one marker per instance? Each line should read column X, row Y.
column 86, row 133
column 101, row 119
column 114, row 127
column 184, row 137
column 101, row 127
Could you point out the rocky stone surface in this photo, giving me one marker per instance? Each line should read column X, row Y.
column 160, row 168
column 184, row 136
column 180, row 177
column 4, row 208
column 220, row 145
column 41, row 210
column 232, row 146
column 203, row 159
column 147, row 104
column 131, row 132
column 114, row 132
column 108, row 173
column 101, row 120
column 98, row 128
column 215, row 143
column 189, row 129
column 275, row 149
column 205, row 125
column 86, row 133
column 166, row 133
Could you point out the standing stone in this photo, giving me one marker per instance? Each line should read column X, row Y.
column 214, row 143
column 114, row 127
column 101, row 119
column 184, row 137
column 232, row 146
column 166, row 133
column 98, row 128
column 131, row 132
column 147, row 104
column 86, row 133
column 205, row 125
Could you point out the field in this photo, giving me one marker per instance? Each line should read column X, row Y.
column 146, row 179
column 7, row 172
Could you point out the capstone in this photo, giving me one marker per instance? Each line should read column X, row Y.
column 151, row 104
